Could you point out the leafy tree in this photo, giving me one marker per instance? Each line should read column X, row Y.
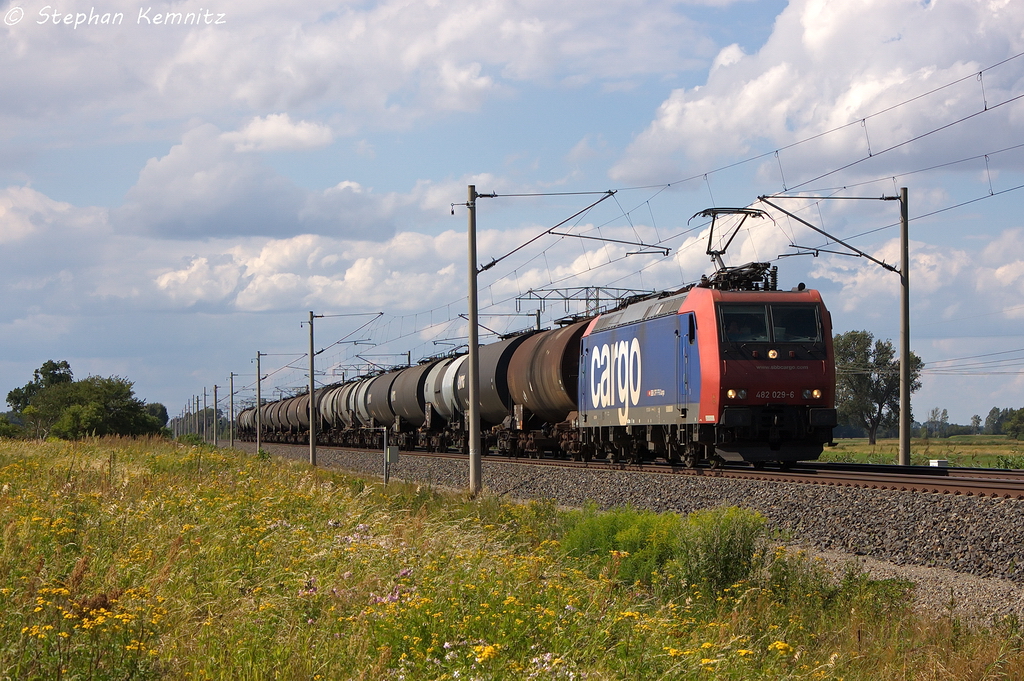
column 79, row 420
column 937, row 423
column 159, row 411
column 995, row 419
column 868, row 381
column 8, row 429
column 956, row 429
column 96, row 405
column 975, row 424
column 51, row 373
column 1014, row 423
column 56, row 404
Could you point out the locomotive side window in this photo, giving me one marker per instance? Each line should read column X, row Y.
column 795, row 324
column 744, row 323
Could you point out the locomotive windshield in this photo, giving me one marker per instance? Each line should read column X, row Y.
column 777, row 323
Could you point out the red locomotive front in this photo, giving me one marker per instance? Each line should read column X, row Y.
column 768, row 389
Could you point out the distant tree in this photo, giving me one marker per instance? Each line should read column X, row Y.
column 8, row 429
column 955, row 429
column 994, row 421
column 159, row 411
column 975, row 424
column 51, row 373
column 1014, row 423
column 932, row 425
column 868, row 381
column 93, row 406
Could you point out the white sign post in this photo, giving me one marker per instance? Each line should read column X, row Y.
column 390, row 457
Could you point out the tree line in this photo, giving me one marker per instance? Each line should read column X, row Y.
column 54, row 404
column 868, row 395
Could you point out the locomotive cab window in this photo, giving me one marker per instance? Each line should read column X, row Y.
column 769, row 323
column 744, row 323
column 795, row 324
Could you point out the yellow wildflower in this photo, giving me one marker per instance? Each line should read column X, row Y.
column 485, row 653
column 785, row 650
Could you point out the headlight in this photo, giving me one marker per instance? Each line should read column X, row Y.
column 773, row 354
column 736, row 394
column 812, row 394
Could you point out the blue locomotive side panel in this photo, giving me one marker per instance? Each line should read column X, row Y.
column 646, row 373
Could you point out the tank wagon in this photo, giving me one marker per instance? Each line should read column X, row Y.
column 730, row 369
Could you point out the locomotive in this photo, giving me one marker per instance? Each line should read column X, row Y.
column 727, row 370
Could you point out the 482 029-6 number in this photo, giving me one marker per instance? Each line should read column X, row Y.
column 775, row 394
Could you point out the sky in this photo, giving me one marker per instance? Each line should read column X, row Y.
column 181, row 183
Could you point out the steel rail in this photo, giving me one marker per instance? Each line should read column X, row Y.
column 980, row 482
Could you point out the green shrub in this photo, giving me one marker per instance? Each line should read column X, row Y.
column 8, row 429
column 712, row 549
column 790, row 576
column 1013, row 462
column 191, row 439
column 633, row 543
column 719, row 547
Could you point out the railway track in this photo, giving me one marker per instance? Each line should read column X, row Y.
column 979, row 482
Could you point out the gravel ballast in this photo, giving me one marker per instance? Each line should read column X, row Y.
column 966, row 554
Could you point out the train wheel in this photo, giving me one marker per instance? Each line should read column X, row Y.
column 689, row 456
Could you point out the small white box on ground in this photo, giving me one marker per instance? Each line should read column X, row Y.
column 938, row 463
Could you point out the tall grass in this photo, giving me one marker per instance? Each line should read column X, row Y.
column 711, row 549
column 146, row 559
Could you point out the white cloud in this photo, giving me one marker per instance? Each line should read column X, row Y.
column 276, row 132
column 205, row 187
column 25, row 212
column 828, row 64
column 200, row 281
column 870, row 289
column 378, row 65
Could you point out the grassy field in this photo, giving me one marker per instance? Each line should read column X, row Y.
column 147, row 559
column 986, row 451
